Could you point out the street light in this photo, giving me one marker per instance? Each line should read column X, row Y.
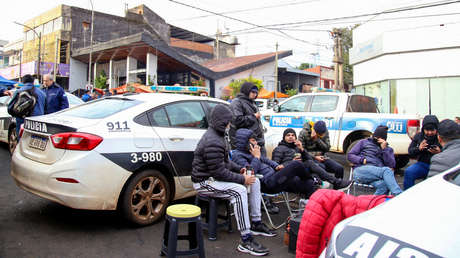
column 91, row 45
column 39, row 35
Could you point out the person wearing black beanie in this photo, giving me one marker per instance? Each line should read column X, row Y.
column 424, row 145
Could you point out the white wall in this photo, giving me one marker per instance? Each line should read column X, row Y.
column 78, row 75
column 264, row 72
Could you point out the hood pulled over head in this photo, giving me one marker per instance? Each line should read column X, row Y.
column 242, row 137
column 247, row 87
column 221, row 115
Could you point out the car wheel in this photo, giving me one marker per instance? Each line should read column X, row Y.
column 12, row 140
column 146, row 197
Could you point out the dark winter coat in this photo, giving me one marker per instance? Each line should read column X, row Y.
column 285, row 153
column 56, row 99
column 374, row 155
column 243, row 157
column 211, row 154
column 414, row 151
column 243, row 109
column 319, row 145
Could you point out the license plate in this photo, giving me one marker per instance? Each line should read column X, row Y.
column 38, row 142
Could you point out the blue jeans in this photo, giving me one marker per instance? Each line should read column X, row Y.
column 382, row 178
column 418, row 170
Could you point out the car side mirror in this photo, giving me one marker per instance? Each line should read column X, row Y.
column 276, row 108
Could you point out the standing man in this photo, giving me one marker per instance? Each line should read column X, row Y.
column 449, row 138
column 213, row 174
column 374, row 161
column 315, row 139
column 56, row 99
column 246, row 115
column 39, row 108
column 424, row 145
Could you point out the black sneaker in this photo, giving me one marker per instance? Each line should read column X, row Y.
column 260, row 229
column 342, row 185
column 271, row 207
column 252, row 247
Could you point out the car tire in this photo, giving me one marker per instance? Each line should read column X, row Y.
column 12, row 140
column 145, row 197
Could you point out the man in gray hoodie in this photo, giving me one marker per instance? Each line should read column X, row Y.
column 449, row 138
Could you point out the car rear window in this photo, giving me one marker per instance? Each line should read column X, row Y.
column 363, row 104
column 101, row 108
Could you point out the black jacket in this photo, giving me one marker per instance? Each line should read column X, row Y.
column 243, row 109
column 211, row 154
column 424, row 155
column 285, row 153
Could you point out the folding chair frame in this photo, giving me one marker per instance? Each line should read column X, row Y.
column 286, row 201
column 355, row 183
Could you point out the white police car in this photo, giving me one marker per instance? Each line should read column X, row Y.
column 131, row 152
column 421, row 222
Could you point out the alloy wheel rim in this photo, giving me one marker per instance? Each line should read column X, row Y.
column 148, row 198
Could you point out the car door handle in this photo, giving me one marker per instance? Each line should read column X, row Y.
column 176, row 139
column 329, row 117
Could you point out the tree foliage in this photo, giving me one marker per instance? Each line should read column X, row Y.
column 101, row 80
column 304, row 66
column 235, row 85
column 291, row 92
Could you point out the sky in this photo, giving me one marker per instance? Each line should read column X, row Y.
column 302, row 26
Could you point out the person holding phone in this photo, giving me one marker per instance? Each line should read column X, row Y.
column 424, row 145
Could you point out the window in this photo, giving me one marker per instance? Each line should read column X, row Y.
column 101, row 108
column 324, row 103
column 358, row 103
column 186, row 114
column 158, row 118
column 294, row 105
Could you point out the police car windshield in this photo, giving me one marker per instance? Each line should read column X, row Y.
column 101, row 108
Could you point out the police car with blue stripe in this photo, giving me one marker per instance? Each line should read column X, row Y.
column 349, row 118
column 127, row 152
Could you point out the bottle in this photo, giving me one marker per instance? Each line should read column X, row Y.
column 249, row 172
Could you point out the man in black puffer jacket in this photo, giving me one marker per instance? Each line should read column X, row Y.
column 424, row 145
column 290, row 149
column 246, row 115
column 213, row 174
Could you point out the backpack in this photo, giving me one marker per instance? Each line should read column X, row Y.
column 22, row 105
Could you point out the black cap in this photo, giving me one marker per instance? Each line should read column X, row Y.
column 320, row 127
column 381, row 132
column 448, row 128
column 289, row 130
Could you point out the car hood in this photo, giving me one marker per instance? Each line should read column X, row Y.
column 425, row 216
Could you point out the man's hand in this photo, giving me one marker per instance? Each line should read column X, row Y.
column 313, row 135
column 364, row 161
column 320, row 158
column 7, row 92
column 423, row 145
column 434, row 150
column 383, row 143
column 243, row 170
column 255, row 151
column 298, row 144
column 257, row 115
column 279, row 167
column 249, row 180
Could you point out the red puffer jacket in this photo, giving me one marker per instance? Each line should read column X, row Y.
column 323, row 211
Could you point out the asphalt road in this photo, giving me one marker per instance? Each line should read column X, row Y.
column 31, row 226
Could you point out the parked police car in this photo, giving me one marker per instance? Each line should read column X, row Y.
column 131, row 152
column 421, row 222
column 8, row 123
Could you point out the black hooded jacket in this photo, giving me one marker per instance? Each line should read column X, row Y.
column 285, row 152
column 414, row 151
column 211, row 154
column 243, row 109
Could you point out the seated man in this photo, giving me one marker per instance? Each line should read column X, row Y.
column 424, row 145
column 315, row 139
column 449, row 138
column 374, row 162
column 276, row 178
column 213, row 174
column 290, row 149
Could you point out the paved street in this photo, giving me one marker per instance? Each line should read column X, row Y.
column 34, row 227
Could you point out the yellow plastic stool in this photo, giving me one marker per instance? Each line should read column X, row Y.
column 191, row 215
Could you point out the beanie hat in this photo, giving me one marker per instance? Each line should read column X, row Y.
column 381, row 132
column 430, row 122
column 289, row 130
column 320, row 127
column 448, row 128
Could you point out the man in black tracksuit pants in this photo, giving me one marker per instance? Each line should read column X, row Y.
column 213, row 174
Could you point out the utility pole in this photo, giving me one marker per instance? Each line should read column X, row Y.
column 39, row 35
column 91, row 45
column 276, row 69
column 217, row 43
column 338, row 59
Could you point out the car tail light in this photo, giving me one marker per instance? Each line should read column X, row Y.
column 75, row 141
column 413, row 127
column 21, row 131
column 67, row 180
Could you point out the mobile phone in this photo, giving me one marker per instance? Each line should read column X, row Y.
column 432, row 147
